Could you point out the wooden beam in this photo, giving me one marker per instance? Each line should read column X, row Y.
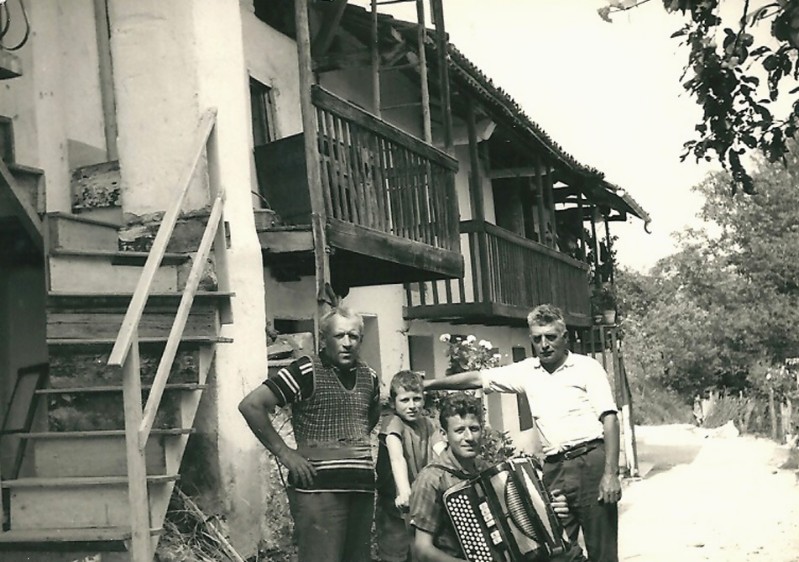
column 542, row 217
column 309, row 126
column 421, row 36
column 442, row 50
column 27, row 214
column 106, row 74
column 550, row 199
column 521, row 172
column 374, row 52
column 324, row 37
column 580, row 223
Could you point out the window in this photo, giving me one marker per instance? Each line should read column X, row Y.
column 263, row 113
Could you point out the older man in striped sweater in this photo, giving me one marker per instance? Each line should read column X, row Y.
column 334, row 400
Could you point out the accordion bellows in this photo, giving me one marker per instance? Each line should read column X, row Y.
column 504, row 514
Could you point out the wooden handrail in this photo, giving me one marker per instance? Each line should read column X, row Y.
column 326, row 100
column 494, row 230
column 137, row 303
column 182, row 315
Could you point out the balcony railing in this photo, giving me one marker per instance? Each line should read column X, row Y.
column 508, row 273
column 376, row 176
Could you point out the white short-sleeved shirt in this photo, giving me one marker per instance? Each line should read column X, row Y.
column 566, row 405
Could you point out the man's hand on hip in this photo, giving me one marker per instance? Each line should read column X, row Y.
column 301, row 471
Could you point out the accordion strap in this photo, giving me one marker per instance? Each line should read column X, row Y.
column 455, row 472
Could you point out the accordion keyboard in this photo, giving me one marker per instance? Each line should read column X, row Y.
column 473, row 520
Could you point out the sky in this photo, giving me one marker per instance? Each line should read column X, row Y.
column 609, row 94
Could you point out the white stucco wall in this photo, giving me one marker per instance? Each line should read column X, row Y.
column 271, row 58
column 57, row 99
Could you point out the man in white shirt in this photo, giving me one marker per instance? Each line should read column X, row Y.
column 572, row 404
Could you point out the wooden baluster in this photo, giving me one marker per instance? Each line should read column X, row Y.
column 386, row 183
column 361, row 189
column 348, row 188
column 324, row 162
column 336, row 171
column 137, row 470
column 379, row 182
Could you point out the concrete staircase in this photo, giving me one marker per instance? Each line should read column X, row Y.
column 70, row 499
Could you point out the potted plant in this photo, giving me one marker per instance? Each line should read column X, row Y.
column 603, row 304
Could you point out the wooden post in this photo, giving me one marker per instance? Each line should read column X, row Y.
column 772, row 412
column 108, row 100
column 443, row 70
column 140, row 543
column 422, row 39
column 478, row 205
column 318, row 211
column 597, row 276
column 542, row 215
column 375, row 54
column 580, row 224
column 550, row 198
column 609, row 244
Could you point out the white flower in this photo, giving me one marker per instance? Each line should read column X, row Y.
column 470, row 339
column 444, row 338
column 486, row 344
column 768, row 376
column 497, row 356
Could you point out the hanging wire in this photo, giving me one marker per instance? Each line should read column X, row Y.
column 5, row 25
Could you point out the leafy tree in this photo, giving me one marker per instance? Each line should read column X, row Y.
column 724, row 305
column 726, row 67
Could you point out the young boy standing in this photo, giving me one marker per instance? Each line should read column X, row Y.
column 408, row 442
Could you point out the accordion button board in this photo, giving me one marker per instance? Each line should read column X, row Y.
column 505, row 515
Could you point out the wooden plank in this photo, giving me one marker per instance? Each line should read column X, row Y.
column 520, row 172
column 138, row 501
column 192, row 284
column 376, row 244
column 347, row 183
column 421, row 40
column 114, row 388
column 332, row 203
column 346, row 110
column 136, row 308
column 28, row 216
column 330, row 26
column 542, row 218
column 374, row 60
column 282, row 242
column 379, row 181
column 359, row 180
column 442, row 51
column 100, row 324
column 61, row 535
column 549, row 182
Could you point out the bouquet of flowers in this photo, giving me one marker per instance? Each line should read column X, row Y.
column 468, row 354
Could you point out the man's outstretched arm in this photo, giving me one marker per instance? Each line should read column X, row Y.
column 462, row 381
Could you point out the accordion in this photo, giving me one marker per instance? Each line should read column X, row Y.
column 504, row 514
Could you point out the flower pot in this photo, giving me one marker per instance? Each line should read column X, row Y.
column 609, row 317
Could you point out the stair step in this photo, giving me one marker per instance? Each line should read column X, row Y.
column 96, row 300
column 100, row 343
column 110, row 433
column 93, row 272
column 114, row 389
column 202, row 320
column 96, row 186
column 83, row 481
column 69, row 232
column 97, row 453
column 98, row 411
column 60, row 535
column 118, row 257
column 72, row 366
column 77, row 503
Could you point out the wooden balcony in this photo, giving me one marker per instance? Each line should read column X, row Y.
column 507, row 275
column 392, row 211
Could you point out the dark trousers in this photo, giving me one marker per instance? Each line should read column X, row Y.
column 332, row 526
column 579, row 480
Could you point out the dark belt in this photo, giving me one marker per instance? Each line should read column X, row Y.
column 575, row 451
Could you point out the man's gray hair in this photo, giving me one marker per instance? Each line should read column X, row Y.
column 344, row 312
column 544, row 314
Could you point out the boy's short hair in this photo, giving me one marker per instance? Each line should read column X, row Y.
column 409, row 380
column 459, row 404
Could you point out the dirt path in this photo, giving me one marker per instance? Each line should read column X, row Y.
column 727, row 502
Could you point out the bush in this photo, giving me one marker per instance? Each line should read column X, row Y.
column 654, row 405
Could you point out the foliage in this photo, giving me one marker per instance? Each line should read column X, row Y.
column 655, row 405
column 723, row 306
column 467, row 354
column 735, row 73
column 603, row 297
